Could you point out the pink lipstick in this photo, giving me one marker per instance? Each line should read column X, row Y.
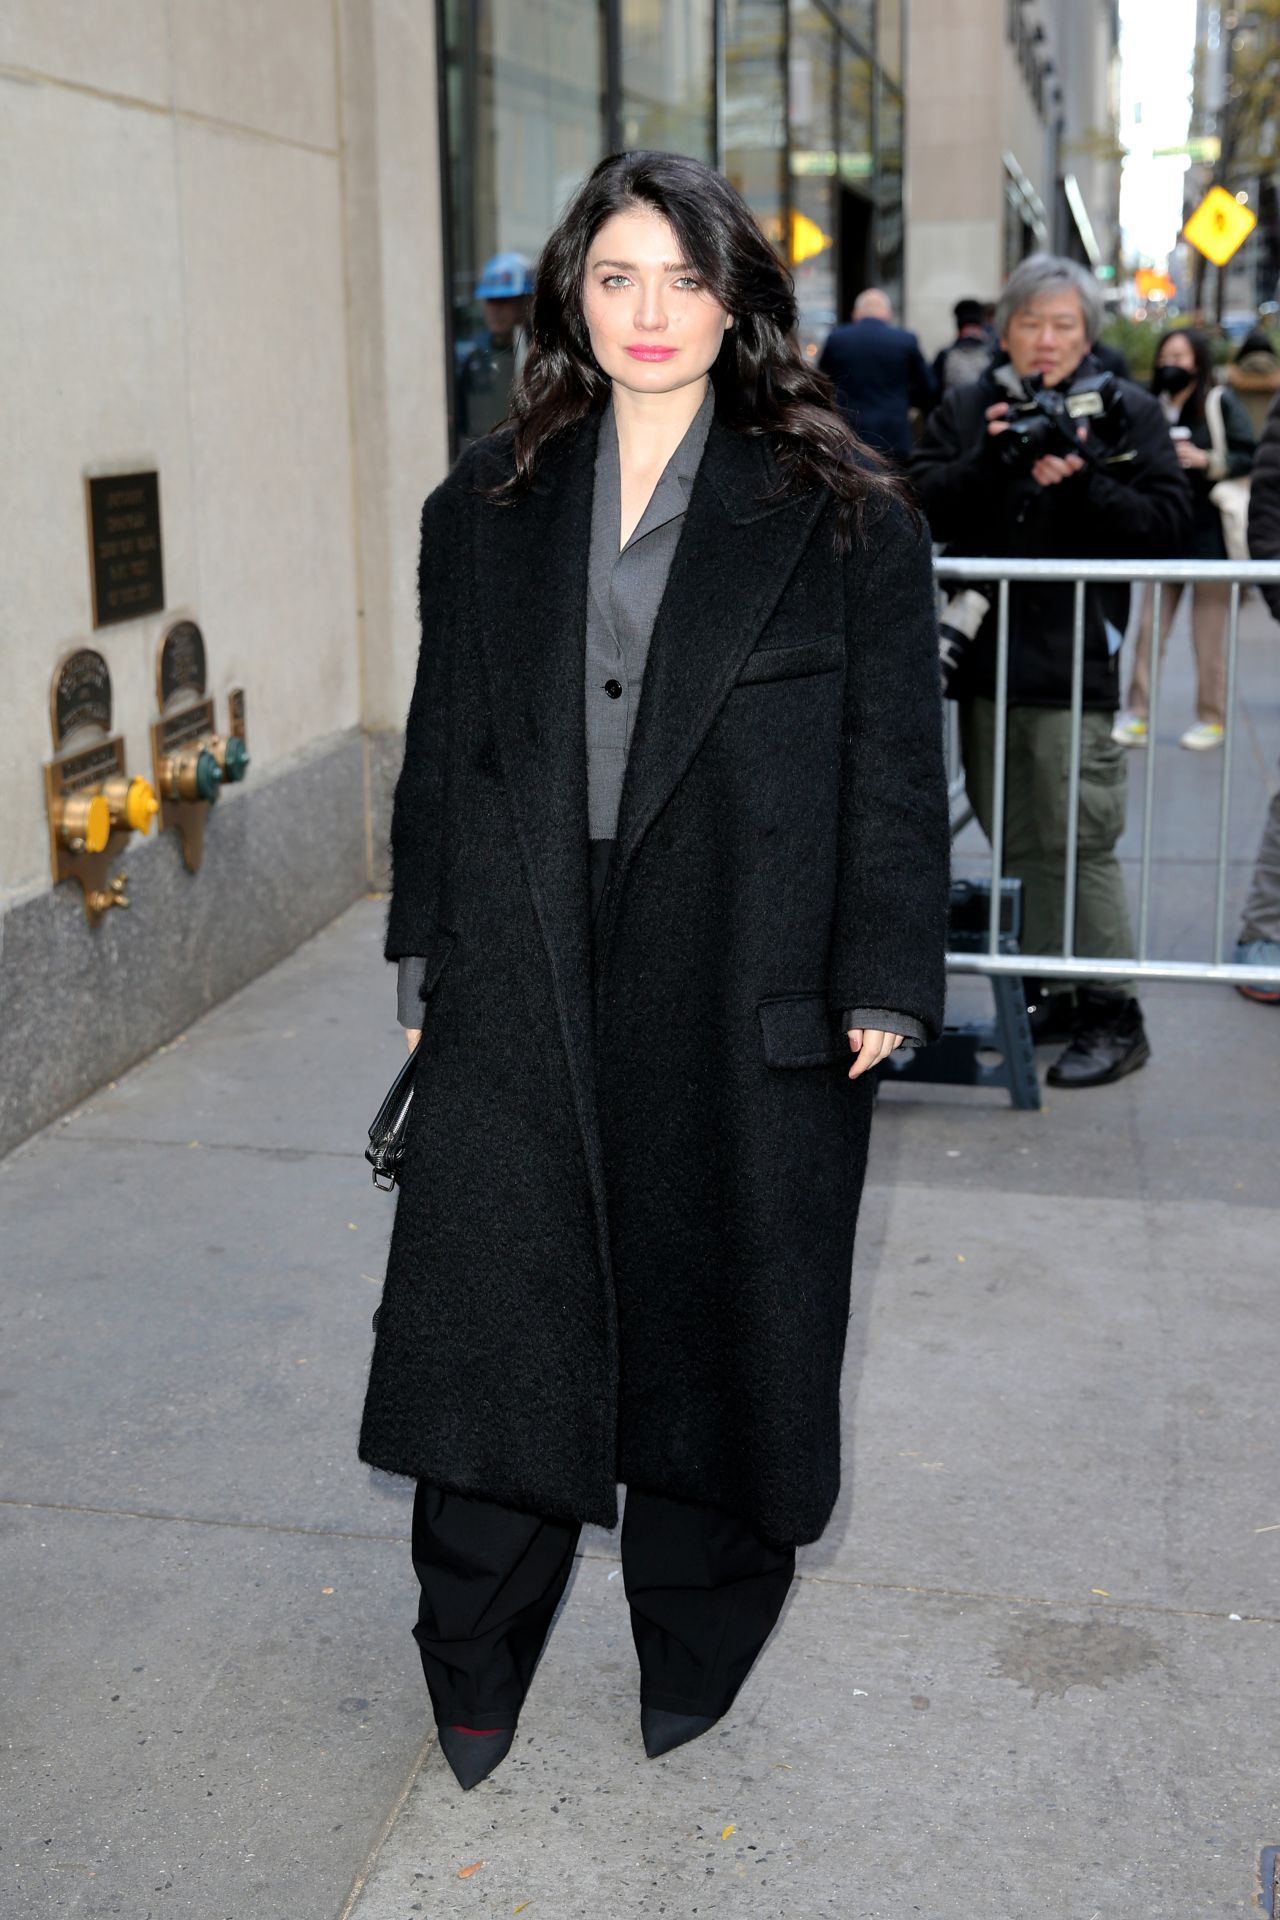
column 651, row 353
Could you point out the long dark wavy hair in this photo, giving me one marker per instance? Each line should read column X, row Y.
column 1193, row 407
column 763, row 383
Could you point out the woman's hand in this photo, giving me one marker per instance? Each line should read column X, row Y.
column 871, row 1047
column 412, row 1035
column 1190, row 455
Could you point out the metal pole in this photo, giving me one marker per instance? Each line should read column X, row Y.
column 1073, row 788
column 1090, row 967
column 998, row 756
column 976, row 570
column 1148, row 813
column 955, row 772
column 1228, row 744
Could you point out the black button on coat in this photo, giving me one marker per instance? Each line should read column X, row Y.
column 624, row 1229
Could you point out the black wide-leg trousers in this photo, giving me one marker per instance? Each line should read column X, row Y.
column 704, row 1591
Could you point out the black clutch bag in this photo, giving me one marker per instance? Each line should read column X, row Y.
column 386, row 1136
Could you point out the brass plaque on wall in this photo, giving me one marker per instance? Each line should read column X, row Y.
column 182, row 728
column 180, row 665
column 125, row 557
column 81, row 694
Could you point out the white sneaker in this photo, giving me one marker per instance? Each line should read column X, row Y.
column 1130, row 731
column 1202, row 736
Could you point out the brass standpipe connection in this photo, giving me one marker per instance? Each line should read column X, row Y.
column 83, row 822
column 133, row 803
column 92, row 804
column 231, row 754
column 192, row 760
column 191, row 774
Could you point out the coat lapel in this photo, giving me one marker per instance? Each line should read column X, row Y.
column 736, row 552
column 531, row 599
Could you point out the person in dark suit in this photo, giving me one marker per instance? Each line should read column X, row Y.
column 669, row 878
column 879, row 374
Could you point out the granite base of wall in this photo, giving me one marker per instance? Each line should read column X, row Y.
column 79, row 1004
column 383, row 754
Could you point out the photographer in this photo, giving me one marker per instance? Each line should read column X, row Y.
column 1048, row 456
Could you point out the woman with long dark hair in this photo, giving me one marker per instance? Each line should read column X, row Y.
column 1213, row 441
column 669, row 854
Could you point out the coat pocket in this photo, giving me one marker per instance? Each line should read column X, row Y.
column 801, row 1030
column 823, row 655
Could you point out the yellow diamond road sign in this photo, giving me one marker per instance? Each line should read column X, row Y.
column 1219, row 226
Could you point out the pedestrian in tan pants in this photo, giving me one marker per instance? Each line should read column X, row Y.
column 1213, row 441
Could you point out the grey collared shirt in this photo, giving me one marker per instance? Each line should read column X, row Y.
column 625, row 586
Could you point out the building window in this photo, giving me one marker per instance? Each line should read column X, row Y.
column 811, row 120
column 889, row 222
column 524, row 124
column 753, row 115
column 858, row 17
column 889, row 38
column 857, row 177
column 1026, row 223
column 668, row 84
column 797, row 101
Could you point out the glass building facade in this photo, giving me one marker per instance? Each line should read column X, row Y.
column 798, row 102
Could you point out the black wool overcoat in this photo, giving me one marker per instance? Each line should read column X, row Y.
column 624, row 1228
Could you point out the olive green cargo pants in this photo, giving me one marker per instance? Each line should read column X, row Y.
column 1037, row 772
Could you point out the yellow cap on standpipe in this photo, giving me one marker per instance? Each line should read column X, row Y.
column 97, row 824
column 141, row 805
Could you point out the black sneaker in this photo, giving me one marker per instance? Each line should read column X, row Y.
column 1052, row 1016
column 1109, row 1041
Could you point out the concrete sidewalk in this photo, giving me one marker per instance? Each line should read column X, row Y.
column 1029, row 1671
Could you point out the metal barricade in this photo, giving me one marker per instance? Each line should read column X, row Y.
column 994, row 959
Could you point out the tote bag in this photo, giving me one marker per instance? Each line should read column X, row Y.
column 1230, row 497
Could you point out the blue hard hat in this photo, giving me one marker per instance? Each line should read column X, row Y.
column 505, row 277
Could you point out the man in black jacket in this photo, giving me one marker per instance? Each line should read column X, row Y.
column 970, row 353
column 1259, row 941
column 1122, row 495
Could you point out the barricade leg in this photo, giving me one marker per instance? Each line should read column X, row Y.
column 1016, row 1043
column 955, row 1059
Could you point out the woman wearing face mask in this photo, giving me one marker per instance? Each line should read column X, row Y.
column 669, row 851
column 1183, row 380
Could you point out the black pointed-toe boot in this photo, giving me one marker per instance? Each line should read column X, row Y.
column 663, row 1731
column 474, row 1752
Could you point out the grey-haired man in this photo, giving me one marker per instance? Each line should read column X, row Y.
column 1121, row 495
